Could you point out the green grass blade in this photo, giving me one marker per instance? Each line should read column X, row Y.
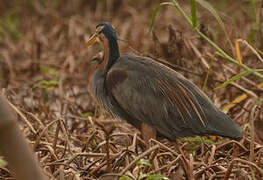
column 156, row 10
column 236, row 77
column 207, row 75
column 260, row 52
column 208, row 7
column 254, row 11
column 193, row 12
column 176, row 5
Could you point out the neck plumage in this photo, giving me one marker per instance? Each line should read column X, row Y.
column 111, row 53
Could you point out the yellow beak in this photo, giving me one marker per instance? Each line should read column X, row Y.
column 92, row 40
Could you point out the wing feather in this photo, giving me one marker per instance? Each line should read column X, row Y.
column 157, row 99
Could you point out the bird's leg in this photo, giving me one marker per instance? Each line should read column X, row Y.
column 147, row 132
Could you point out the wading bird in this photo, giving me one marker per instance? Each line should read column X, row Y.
column 151, row 96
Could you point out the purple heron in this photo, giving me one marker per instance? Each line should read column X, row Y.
column 151, row 96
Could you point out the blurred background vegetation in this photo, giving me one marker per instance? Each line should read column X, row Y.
column 43, row 63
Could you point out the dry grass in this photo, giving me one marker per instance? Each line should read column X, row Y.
column 43, row 76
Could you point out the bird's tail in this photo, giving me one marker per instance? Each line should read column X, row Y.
column 223, row 125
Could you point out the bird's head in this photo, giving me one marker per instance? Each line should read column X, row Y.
column 104, row 31
column 106, row 34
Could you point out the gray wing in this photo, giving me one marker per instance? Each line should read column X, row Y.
column 154, row 94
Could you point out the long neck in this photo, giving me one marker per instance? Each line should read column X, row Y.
column 113, row 52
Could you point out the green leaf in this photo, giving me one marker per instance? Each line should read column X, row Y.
column 193, row 12
column 143, row 162
column 44, row 84
column 125, row 178
column 2, row 162
column 157, row 177
column 85, row 115
column 48, row 71
column 152, row 177
column 142, row 176
column 236, row 77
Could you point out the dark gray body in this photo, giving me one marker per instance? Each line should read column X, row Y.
column 138, row 89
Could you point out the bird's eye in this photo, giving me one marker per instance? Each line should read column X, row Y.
column 94, row 60
column 97, row 60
